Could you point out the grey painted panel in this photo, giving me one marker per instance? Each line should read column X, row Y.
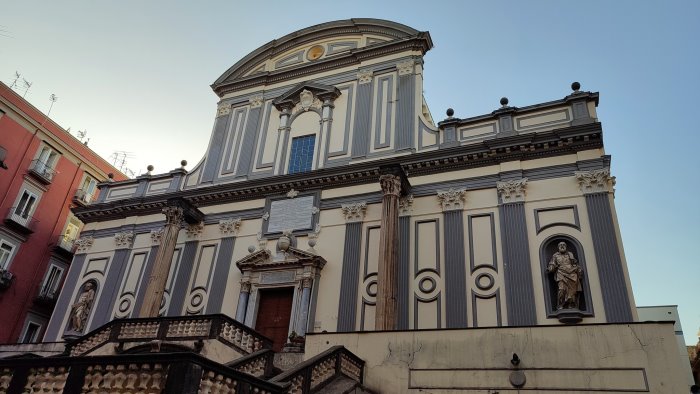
column 215, row 149
column 382, row 141
column 363, row 116
column 438, row 316
column 350, row 277
column 141, row 190
column 235, row 135
column 341, row 46
column 424, row 128
column 505, row 124
column 564, row 111
column 141, row 291
column 607, row 253
column 404, row 274
column 497, row 295
column 218, row 286
column 455, row 271
column 494, row 257
column 517, row 270
column 64, row 299
column 109, row 293
column 180, row 286
column 248, row 143
column 346, row 131
column 263, row 139
column 405, row 112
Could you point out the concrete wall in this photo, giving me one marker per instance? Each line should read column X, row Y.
column 585, row 358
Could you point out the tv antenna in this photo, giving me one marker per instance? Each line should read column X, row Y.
column 27, row 85
column 53, row 98
column 17, row 77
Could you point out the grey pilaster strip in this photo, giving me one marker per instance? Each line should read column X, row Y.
column 64, row 299
column 607, row 254
column 143, row 285
column 363, row 116
column 110, row 288
column 405, row 112
column 182, row 280
column 215, row 149
column 218, row 285
column 350, row 277
column 455, row 271
column 520, row 294
column 404, row 272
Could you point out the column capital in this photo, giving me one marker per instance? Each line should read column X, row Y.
column 255, row 101
column 405, row 67
column 230, row 226
column 173, row 216
column 391, row 184
column 223, row 109
column 124, row 239
column 452, row 199
column 354, row 212
column 245, row 286
column 83, row 244
column 512, row 191
column 307, row 282
column 157, row 235
column 194, row 230
column 595, row 181
column 406, row 205
column 364, row 76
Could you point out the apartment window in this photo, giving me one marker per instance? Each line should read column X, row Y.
column 52, row 281
column 47, row 157
column 26, row 204
column 87, row 189
column 6, row 251
column 302, row 154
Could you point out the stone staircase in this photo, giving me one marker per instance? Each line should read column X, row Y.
column 181, row 355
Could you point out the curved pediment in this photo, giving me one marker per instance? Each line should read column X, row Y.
column 317, row 44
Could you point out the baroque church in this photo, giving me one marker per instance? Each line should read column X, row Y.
column 336, row 238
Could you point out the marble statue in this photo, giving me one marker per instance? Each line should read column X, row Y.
column 81, row 309
column 568, row 275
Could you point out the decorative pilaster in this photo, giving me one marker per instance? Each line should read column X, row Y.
column 387, row 273
column 520, row 294
column 452, row 202
column 306, row 285
column 363, row 114
column 283, row 140
column 174, row 215
column 347, row 305
column 402, row 302
column 597, row 187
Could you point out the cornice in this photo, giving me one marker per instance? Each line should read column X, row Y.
column 519, row 147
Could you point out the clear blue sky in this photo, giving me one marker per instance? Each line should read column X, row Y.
column 136, row 75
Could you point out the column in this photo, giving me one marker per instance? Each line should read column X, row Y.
column 303, row 321
column 387, row 273
column 159, row 275
column 517, row 268
column 347, row 307
column 243, row 300
column 452, row 202
column 597, row 187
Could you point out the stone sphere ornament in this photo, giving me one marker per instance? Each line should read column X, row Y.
column 450, row 112
column 575, row 86
column 312, row 242
column 251, row 248
column 504, row 101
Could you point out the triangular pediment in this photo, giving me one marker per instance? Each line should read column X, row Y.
column 266, row 259
column 291, row 97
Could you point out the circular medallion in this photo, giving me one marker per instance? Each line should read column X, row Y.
column 427, row 284
column 315, row 52
column 484, row 281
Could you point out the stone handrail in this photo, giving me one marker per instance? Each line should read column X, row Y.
column 314, row 373
column 219, row 327
column 142, row 373
column 258, row 364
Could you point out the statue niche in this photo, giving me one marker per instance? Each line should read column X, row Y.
column 564, row 279
column 80, row 310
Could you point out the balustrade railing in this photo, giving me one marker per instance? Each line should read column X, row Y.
column 42, row 170
column 133, row 373
column 21, row 218
column 219, row 327
column 314, row 373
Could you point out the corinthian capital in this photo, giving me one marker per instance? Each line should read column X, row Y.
column 354, row 212
column 452, row 199
column 512, row 191
column 391, row 184
column 596, row 181
column 173, row 215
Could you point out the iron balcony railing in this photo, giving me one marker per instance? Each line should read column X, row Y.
column 21, row 218
column 42, row 170
column 82, row 197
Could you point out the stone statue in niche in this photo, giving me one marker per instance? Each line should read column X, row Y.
column 81, row 309
column 568, row 275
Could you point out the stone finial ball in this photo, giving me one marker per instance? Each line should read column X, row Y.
column 149, row 168
column 504, row 101
column 183, row 163
column 575, row 86
column 110, row 175
column 312, row 242
column 450, row 112
column 251, row 249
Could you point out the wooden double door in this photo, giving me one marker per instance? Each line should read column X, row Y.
column 274, row 315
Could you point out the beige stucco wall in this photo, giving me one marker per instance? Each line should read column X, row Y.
column 639, row 357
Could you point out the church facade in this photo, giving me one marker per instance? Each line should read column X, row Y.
column 331, row 209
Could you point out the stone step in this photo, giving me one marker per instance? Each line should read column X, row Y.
column 343, row 385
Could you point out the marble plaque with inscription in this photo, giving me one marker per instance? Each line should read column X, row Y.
column 291, row 214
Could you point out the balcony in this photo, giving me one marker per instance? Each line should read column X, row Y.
column 65, row 246
column 6, row 278
column 47, row 297
column 42, row 171
column 20, row 221
column 82, row 197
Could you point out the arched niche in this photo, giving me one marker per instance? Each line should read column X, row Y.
column 547, row 249
column 81, row 309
